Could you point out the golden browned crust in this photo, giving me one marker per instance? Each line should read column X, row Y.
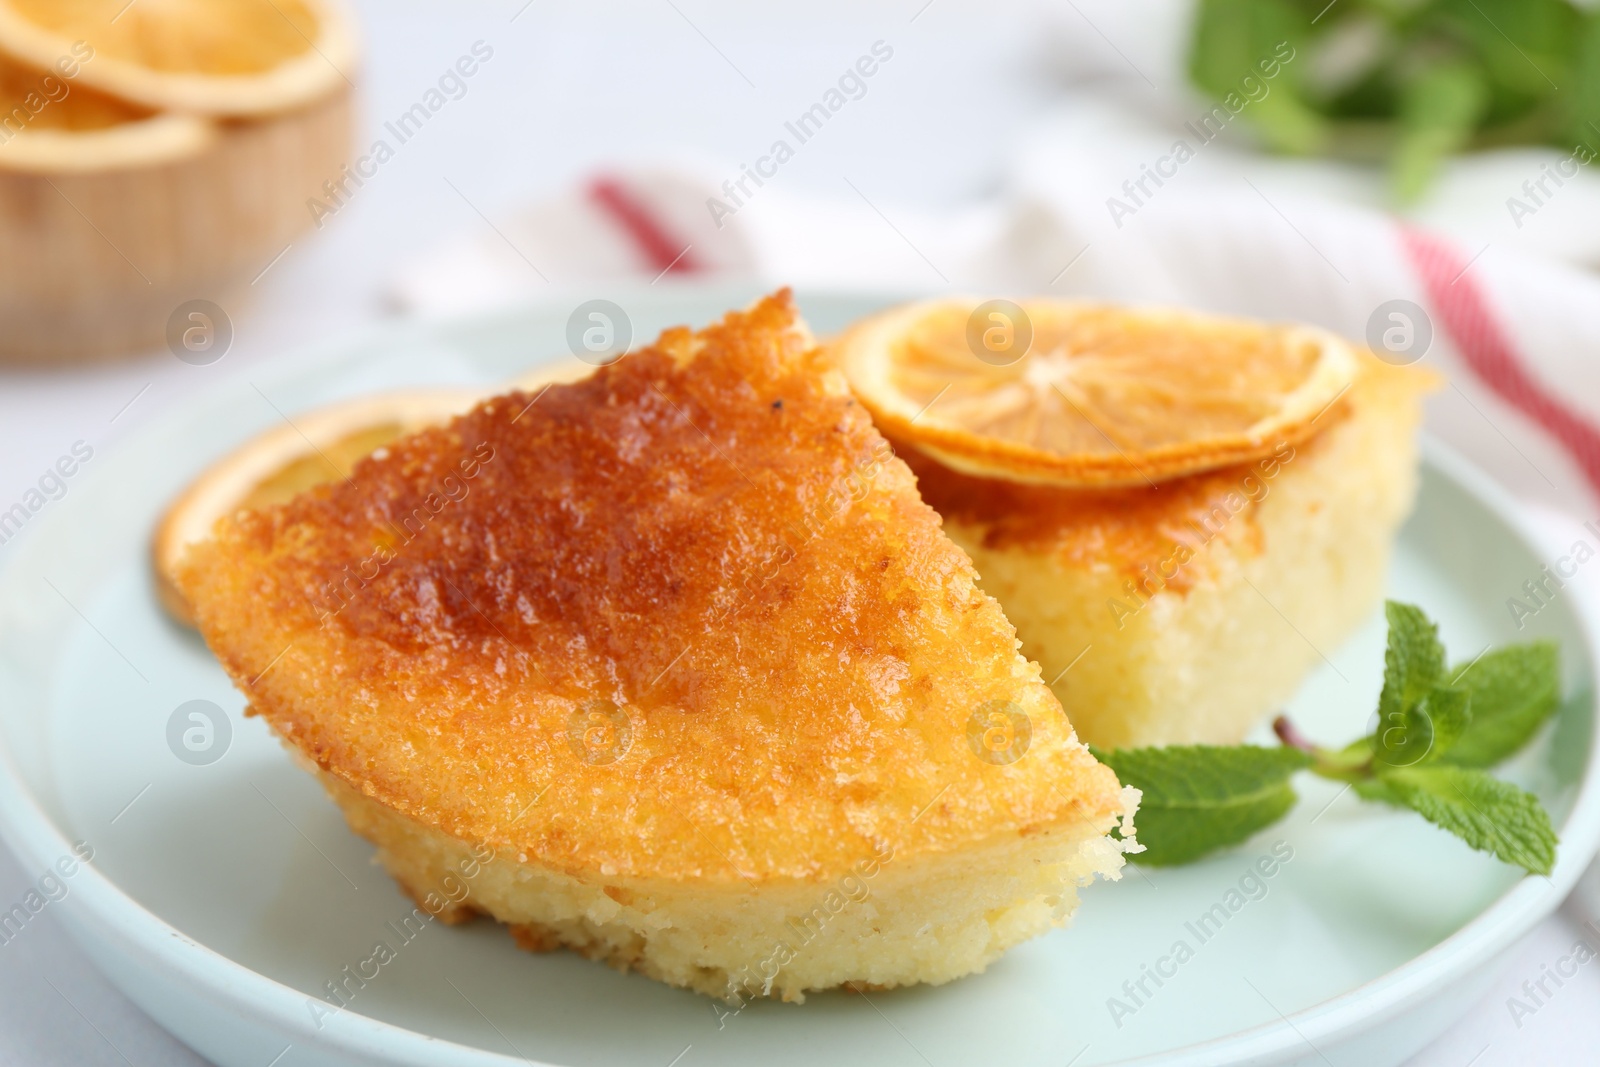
column 274, row 466
column 706, row 549
column 320, row 446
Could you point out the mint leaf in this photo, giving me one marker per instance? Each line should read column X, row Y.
column 1582, row 103
column 1439, row 108
column 1375, row 790
column 1424, row 731
column 1514, row 690
column 1413, row 663
column 1449, row 715
column 1199, row 798
column 1232, row 36
column 1287, row 125
column 1488, row 814
column 1523, row 44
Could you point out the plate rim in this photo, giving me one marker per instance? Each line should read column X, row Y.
column 36, row 840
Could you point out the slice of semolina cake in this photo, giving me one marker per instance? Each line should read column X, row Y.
column 1186, row 611
column 671, row 666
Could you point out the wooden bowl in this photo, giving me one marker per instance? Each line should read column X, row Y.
column 99, row 247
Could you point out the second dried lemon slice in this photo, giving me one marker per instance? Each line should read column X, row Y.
column 1076, row 394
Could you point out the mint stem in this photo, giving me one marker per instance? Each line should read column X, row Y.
column 1289, row 735
column 1328, row 763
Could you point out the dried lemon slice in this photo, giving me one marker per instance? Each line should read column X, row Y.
column 1076, row 394
column 209, row 57
column 50, row 125
column 313, row 448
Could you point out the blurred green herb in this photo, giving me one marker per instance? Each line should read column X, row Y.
column 1438, row 728
column 1408, row 81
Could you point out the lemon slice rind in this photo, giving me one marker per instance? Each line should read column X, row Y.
column 157, row 140
column 328, row 62
column 866, row 354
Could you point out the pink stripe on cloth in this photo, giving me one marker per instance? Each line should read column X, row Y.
column 661, row 249
column 1470, row 321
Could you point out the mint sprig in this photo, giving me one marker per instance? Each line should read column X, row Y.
column 1438, row 730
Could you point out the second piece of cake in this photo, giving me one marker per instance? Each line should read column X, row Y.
column 1181, row 608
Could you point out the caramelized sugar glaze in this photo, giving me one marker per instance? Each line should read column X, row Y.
column 1120, row 529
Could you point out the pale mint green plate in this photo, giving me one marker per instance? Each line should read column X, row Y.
column 222, row 897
